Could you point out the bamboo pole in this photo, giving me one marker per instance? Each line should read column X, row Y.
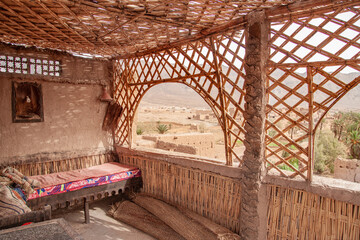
column 167, row 80
column 310, row 164
column 222, row 104
column 127, row 89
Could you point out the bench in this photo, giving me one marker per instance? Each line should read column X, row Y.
column 63, row 189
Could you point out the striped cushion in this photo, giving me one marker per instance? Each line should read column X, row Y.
column 11, row 202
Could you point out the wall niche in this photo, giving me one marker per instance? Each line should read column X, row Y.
column 27, row 104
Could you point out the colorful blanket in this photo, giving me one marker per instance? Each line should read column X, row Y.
column 12, row 177
column 11, row 203
column 57, row 183
column 13, row 185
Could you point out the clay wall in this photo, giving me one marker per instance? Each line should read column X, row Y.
column 73, row 115
column 177, row 147
column 347, row 169
column 202, row 144
column 73, row 69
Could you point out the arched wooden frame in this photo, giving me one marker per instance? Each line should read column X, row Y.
column 303, row 82
column 195, row 66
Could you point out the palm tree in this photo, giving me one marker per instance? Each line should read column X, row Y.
column 162, row 128
column 338, row 127
column 354, row 139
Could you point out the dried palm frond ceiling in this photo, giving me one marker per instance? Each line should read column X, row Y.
column 122, row 28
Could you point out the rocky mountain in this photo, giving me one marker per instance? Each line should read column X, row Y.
column 176, row 94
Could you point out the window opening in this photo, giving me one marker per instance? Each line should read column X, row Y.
column 29, row 65
column 337, row 139
column 172, row 117
column 27, row 104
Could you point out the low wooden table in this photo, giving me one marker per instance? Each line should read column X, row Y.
column 57, row 229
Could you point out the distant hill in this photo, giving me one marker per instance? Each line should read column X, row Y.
column 176, row 94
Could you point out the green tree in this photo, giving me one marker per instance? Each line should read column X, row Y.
column 337, row 127
column 327, row 149
column 139, row 131
column 322, row 122
column 162, row 128
column 354, row 141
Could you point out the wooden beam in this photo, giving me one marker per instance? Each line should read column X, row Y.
column 194, row 80
column 167, row 80
column 305, row 8
column 128, row 103
column 311, row 130
column 222, row 104
column 350, row 62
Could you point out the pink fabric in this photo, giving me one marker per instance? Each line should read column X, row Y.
column 80, row 174
column 85, row 183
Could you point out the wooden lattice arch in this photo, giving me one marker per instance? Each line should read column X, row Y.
column 303, row 81
column 195, row 66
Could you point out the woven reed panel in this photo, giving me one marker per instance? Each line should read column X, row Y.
column 46, row 167
column 211, row 195
column 295, row 214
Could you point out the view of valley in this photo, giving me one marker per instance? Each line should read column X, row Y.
column 172, row 117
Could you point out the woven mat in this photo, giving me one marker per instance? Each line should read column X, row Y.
column 164, row 221
column 136, row 216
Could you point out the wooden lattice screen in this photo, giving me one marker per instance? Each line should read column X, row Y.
column 308, row 56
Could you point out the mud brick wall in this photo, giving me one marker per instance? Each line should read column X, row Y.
column 347, row 169
column 73, row 69
column 192, row 143
column 73, row 115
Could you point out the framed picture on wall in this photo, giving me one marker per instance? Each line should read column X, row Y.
column 27, row 103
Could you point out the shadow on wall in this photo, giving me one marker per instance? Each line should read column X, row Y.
column 73, row 118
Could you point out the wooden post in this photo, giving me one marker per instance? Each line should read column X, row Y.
column 222, row 103
column 310, row 165
column 127, row 89
column 47, row 212
column 86, row 211
column 253, row 211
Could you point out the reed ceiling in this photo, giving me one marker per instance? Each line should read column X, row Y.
column 122, row 28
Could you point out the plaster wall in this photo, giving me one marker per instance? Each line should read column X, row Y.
column 73, row 69
column 73, row 115
column 347, row 169
column 192, row 143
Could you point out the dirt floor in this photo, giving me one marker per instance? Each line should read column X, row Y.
column 101, row 225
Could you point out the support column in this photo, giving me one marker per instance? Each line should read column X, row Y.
column 253, row 211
